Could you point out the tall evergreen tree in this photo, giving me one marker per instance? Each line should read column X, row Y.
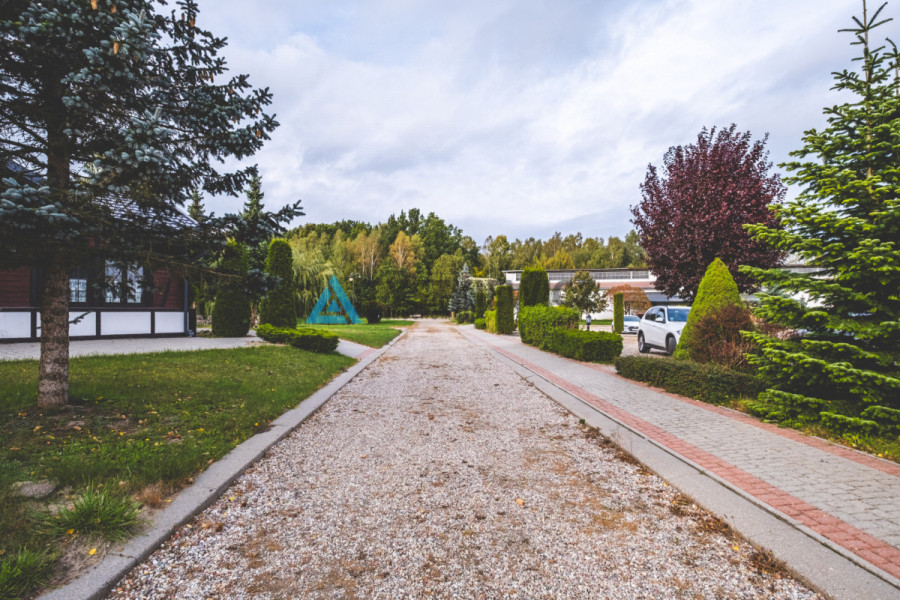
column 846, row 224
column 111, row 113
column 196, row 210
column 463, row 297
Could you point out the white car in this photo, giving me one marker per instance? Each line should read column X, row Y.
column 661, row 328
column 632, row 323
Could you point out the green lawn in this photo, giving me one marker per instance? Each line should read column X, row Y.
column 376, row 335
column 136, row 428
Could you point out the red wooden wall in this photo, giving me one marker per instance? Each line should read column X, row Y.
column 15, row 288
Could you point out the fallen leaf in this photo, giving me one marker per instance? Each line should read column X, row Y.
column 735, row 548
column 364, row 455
column 70, row 531
column 520, row 502
column 92, row 551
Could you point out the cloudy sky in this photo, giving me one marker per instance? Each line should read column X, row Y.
column 514, row 116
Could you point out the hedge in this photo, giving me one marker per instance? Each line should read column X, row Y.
column 589, row 346
column 480, row 324
column 506, row 319
column 279, row 307
column 534, row 287
column 619, row 312
column 490, row 321
column 536, row 323
column 231, row 311
column 313, row 340
column 465, row 316
column 706, row 382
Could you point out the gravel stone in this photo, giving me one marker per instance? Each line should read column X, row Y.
column 440, row 473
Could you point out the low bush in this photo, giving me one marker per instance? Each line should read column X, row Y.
column 536, row 323
column 465, row 316
column 718, row 339
column 372, row 312
column 589, row 346
column 706, row 382
column 480, row 324
column 305, row 339
column 490, row 321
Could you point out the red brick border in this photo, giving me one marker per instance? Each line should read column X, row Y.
column 877, row 552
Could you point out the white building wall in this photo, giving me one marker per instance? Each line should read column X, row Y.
column 15, row 324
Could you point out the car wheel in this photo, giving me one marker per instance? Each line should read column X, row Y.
column 643, row 348
column 670, row 345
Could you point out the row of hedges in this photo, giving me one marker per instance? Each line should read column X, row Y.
column 707, row 382
column 536, row 323
column 589, row 346
column 555, row 329
column 313, row 340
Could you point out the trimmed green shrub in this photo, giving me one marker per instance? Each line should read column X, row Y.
column 490, row 321
column 372, row 312
column 534, row 287
column 506, row 320
column 279, row 307
column 465, row 316
column 231, row 311
column 313, row 340
column 480, row 303
column 707, row 382
column 717, row 289
column 589, row 346
column 480, row 324
column 536, row 323
column 619, row 312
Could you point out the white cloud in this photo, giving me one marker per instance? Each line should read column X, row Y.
column 523, row 117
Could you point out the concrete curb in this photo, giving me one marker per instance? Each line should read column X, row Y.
column 207, row 487
column 814, row 559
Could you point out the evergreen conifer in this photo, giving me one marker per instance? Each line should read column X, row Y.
column 845, row 224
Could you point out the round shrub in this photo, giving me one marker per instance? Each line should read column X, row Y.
column 279, row 307
column 231, row 311
column 480, row 324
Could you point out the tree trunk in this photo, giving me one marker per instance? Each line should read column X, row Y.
column 53, row 386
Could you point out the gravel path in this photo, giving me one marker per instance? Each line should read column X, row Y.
column 439, row 473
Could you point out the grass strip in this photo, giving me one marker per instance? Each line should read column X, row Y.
column 136, row 427
column 374, row 336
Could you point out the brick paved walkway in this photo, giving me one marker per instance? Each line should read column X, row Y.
column 850, row 498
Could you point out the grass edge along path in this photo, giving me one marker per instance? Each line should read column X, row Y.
column 375, row 335
column 138, row 428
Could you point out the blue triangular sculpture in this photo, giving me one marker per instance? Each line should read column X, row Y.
column 340, row 310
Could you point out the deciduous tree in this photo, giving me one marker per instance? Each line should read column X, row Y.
column 695, row 210
column 581, row 292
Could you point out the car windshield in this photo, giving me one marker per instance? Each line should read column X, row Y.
column 678, row 314
column 631, row 318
